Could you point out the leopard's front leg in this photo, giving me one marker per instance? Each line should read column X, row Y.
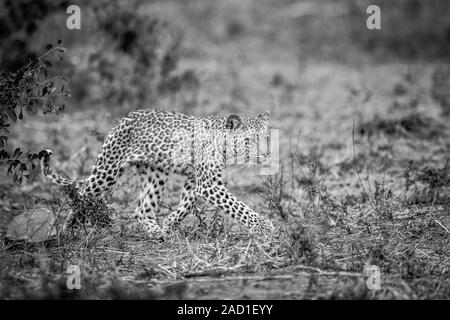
column 222, row 199
column 211, row 188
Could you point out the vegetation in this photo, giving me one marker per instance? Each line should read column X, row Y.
column 30, row 89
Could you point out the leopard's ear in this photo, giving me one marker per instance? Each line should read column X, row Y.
column 233, row 122
column 45, row 154
column 264, row 116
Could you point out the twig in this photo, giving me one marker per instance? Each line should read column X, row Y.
column 435, row 220
column 354, row 163
column 192, row 252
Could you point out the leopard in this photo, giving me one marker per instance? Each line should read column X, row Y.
column 159, row 143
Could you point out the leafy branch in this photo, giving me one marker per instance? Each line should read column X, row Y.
column 32, row 88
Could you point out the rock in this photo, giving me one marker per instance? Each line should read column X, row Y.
column 32, row 226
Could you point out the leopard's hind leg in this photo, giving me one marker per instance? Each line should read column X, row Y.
column 152, row 184
column 186, row 206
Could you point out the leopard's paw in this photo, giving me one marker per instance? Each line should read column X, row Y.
column 263, row 227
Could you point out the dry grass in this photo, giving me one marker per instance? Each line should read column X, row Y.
column 319, row 253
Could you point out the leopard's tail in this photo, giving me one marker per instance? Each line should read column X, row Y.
column 44, row 157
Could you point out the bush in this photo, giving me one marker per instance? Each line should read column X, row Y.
column 32, row 88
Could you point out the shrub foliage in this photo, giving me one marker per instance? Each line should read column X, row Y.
column 34, row 87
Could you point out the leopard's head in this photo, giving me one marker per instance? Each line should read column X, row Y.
column 247, row 139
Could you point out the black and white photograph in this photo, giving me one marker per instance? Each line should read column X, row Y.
column 240, row 152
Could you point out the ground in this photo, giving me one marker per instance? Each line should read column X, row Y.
column 363, row 178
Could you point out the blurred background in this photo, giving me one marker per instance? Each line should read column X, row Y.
column 219, row 54
column 314, row 64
